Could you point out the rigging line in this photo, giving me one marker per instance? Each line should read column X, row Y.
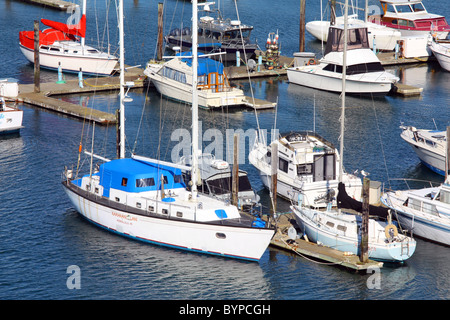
column 381, row 142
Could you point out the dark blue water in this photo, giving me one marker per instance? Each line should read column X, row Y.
column 41, row 235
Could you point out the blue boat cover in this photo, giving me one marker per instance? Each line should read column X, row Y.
column 205, row 65
column 132, row 175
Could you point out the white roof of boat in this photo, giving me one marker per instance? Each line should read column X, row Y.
column 401, row 1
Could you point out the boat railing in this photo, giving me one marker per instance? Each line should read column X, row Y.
column 408, row 181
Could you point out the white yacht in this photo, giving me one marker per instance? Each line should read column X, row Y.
column 365, row 74
column 423, row 212
column 10, row 118
column 174, row 80
column 307, row 168
column 429, row 145
column 441, row 50
column 380, row 37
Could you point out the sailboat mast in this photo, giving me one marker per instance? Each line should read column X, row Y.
column 344, row 76
column 122, row 84
column 83, row 13
column 194, row 170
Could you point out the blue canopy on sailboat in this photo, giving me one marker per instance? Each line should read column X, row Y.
column 205, row 65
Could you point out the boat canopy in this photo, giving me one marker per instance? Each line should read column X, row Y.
column 132, row 175
column 205, row 65
column 357, row 39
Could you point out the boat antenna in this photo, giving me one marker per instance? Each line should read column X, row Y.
column 122, row 84
column 194, row 170
column 344, row 76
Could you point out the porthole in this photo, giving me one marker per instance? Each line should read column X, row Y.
column 220, row 235
column 179, row 214
column 165, row 211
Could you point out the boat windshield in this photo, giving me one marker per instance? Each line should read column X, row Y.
column 357, row 39
column 223, row 185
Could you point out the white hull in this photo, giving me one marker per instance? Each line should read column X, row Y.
column 427, row 226
column 206, row 98
column 10, row 120
column 314, row 77
column 320, row 227
column 95, row 64
column 442, row 54
column 207, row 238
column 433, row 160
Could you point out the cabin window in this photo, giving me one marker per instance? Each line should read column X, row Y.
column 330, row 224
column 124, row 182
column 165, row 180
column 341, row 228
column 145, row 182
column 165, row 211
column 151, row 208
column 415, row 204
column 179, row 214
column 177, row 178
column 418, row 7
column 117, row 199
column 220, row 235
column 96, row 190
column 324, row 167
column 54, row 49
column 173, row 74
column 44, row 47
column 138, row 205
column 304, row 169
column 283, row 165
column 216, row 35
column 429, row 208
column 403, row 8
column 445, row 196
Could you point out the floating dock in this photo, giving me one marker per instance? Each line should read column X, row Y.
column 45, row 98
column 318, row 253
column 56, row 4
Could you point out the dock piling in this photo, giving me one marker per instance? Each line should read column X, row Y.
column 37, row 75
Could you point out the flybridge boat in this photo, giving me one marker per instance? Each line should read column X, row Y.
column 385, row 38
column 216, row 34
column 412, row 19
column 364, row 73
column 60, row 47
column 174, row 79
column 307, row 167
column 429, row 145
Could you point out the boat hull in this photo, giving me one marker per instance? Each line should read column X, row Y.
column 71, row 63
column 206, row 100
column 442, row 54
column 306, row 76
column 10, row 120
column 206, row 238
column 386, row 252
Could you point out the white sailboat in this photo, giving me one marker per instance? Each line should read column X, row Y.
column 341, row 230
column 59, row 47
column 145, row 199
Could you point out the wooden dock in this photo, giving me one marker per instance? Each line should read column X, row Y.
column 318, row 253
column 45, row 98
column 56, row 4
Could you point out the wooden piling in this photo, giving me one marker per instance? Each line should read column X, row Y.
column 274, row 174
column 302, row 26
column 235, row 179
column 447, row 162
column 159, row 44
column 37, row 76
column 364, row 244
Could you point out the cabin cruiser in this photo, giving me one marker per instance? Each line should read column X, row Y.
column 173, row 79
column 10, row 118
column 307, row 169
column 441, row 50
column 364, row 73
column 216, row 35
column 429, row 145
column 379, row 37
column 216, row 180
column 411, row 18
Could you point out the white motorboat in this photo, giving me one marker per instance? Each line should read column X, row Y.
column 380, row 37
column 307, row 166
column 429, row 145
column 342, row 230
column 411, row 18
column 174, row 79
column 63, row 46
column 441, row 51
column 10, row 118
column 423, row 212
column 364, row 74
column 146, row 199
column 217, row 176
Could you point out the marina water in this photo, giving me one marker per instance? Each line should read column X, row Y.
column 41, row 235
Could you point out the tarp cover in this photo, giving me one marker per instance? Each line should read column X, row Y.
column 73, row 29
column 344, row 201
column 357, row 38
column 205, row 65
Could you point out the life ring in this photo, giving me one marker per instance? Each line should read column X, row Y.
column 311, row 62
column 387, row 231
